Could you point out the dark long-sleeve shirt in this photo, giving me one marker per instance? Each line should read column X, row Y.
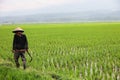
column 20, row 42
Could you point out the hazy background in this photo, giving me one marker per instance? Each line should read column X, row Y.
column 23, row 11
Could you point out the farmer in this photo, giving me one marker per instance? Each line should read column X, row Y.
column 20, row 45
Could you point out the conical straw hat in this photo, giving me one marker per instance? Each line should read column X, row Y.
column 18, row 29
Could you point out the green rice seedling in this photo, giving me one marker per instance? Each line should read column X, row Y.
column 75, row 51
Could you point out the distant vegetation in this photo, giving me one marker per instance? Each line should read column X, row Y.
column 75, row 51
column 87, row 16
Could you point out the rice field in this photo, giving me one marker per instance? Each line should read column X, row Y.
column 68, row 51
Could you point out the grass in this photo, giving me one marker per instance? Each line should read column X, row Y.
column 75, row 51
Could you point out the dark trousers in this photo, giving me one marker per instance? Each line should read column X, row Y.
column 16, row 58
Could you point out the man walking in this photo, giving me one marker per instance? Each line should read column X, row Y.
column 20, row 45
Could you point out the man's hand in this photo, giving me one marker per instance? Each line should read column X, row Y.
column 13, row 51
column 26, row 50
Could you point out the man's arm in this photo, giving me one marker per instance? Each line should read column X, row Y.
column 14, row 44
column 26, row 43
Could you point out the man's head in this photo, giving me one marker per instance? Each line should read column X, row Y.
column 18, row 31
